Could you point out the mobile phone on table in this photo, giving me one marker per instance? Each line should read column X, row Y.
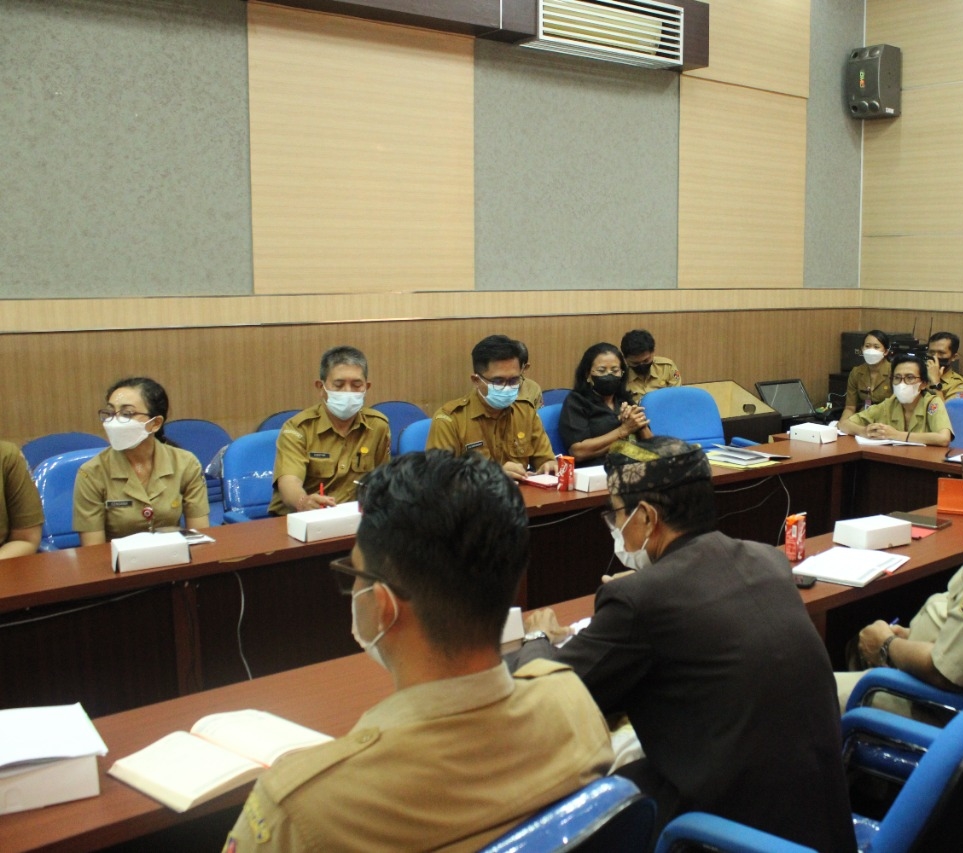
column 804, row 581
column 928, row 521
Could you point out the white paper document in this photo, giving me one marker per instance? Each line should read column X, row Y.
column 849, row 566
column 880, row 442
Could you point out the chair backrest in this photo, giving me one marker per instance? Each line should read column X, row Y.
column 414, row 436
column 200, row 437
column 696, row 831
column 59, row 442
column 399, row 414
column 249, row 475
column 954, row 408
column 555, row 395
column 550, row 415
column 608, row 815
column 54, row 478
column 276, row 421
column 687, row 413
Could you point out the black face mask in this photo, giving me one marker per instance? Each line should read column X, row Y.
column 642, row 369
column 606, row 386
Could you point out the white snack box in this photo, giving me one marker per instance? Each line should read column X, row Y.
column 813, row 433
column 513, row 631
column 591, row 479
column 873, row 532
column 148, row 551
column 327, row 523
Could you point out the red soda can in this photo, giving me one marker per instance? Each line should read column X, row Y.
column 796, row 537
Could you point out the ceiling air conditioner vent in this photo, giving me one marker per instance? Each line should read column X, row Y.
column 634, row 32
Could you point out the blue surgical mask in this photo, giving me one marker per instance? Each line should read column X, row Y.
column 344, row 405
column 500, row 398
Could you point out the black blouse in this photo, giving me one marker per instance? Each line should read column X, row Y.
column 585, row 417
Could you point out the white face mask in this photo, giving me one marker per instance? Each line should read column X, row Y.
column 872, row 356
column 637, row 560
column 344, row 405
column 905, row 393
column 370, row 647
column 125, row 436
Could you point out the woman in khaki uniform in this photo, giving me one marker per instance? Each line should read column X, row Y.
column 910, row 414
column 869, row 382
column 139, row 483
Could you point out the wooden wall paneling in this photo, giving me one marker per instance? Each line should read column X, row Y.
column 742, row 185
column 759, row 43
column 362, row 167
column 922, row 264
column 236, row 376
column 927, row 32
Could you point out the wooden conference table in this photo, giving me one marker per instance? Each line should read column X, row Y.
column 329, row 697
column 72, row 630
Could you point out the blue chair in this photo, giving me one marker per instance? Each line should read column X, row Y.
column 954, row 408
column 608, row 815
column 700, row 831
column 550, row 415
column 59, row 442
column 204, row 439
column 54, row 478
column 554, row 395
column 882, row 679
column 414, row 436
column 923, row 815
column 399, row 414
column 687, row 413
column 249, row 476
column 276, row 421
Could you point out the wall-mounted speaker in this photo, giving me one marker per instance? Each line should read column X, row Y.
column 873, row 81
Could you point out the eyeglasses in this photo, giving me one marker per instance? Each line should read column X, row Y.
column 502, row 384
column 898, row 378
column 603, row 371
column 121, row 417
column 345, row 573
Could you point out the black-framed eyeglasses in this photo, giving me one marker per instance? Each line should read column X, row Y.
column 904, row 379
column 345, row 573
column 121, row 417
column 502, row 384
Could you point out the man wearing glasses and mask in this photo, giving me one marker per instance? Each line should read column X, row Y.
column 462, row 751
column 324, row 450
column 647, row 371
column 491, row 419
column 708, row 649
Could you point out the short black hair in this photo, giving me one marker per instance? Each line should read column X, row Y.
column 155, row 398
column 918, row 360
column 637, row 342
column 494, row 348
column 953, row 339
column 522, row 352
column 580, row 383
column 452, row 532
column 342, row 355
column 880, row 335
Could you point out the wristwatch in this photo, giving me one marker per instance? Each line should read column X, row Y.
column 534, row 635
column 884, row 651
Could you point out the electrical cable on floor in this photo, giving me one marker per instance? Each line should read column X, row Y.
column 240, row 619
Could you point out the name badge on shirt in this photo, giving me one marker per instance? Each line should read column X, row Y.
column 318, row 455
column 474, row 445
column 117, row 504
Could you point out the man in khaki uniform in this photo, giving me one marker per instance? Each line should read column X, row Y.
column 324, row 450
column 462, row 751
column 941, row 350
column 21, row 515
column 647, row 371
column 492, row 419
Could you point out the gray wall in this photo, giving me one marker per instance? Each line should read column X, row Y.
column 833, row 149
column 125, row 153
column 125, row 157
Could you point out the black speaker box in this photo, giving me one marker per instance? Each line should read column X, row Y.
column 873, row 81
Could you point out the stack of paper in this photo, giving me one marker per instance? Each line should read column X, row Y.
column 849, row 566
column 879, row 442
column 732, row 457
column 47, row 755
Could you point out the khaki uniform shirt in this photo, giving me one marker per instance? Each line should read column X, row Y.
column 311, row 450
column 530, row 390
column 444, row 766
column 109, row 496
column 861, row 392
column 940, row 621
column 19, row 502
column 928, row 416
column 662, row 374
column 952, row 384
column 514, row 434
